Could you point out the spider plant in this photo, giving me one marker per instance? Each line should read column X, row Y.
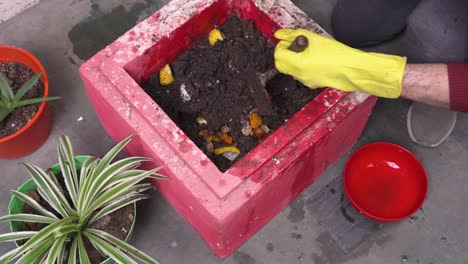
column 9, row 101
column 99, row 188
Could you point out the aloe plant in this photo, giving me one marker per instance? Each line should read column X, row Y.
column 9, row 101
column 99, row 188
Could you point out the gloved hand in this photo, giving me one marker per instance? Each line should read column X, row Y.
column 327, row 62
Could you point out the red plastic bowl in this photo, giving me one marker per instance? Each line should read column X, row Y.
column 385, row 182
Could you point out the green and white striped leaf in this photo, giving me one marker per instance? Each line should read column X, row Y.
column 15, row 236
column 73, row 251
column 103, row 163
column 41, row 237
column 118, row 204
column 36, row 253
column 61, row 256
column 84, row 259
column 114, row 193
column 51, row 190
column 122, row 245
column 66, row 229
column 107, row 159
column 42, row 258
column 5, row 258
column 68, row 179
column 31, row 202
column 56, row 249
column 87, row 183
column 44, row 190
column 66, row 157
column 132, row 173
column 28, row 218
column 86, row 168
column 115, row 254
column 108, row 173
column 53, row 178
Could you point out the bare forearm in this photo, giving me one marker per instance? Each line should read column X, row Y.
column 427, row 83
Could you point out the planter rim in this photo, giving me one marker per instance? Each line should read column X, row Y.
column 45, row 80
column 56, row 167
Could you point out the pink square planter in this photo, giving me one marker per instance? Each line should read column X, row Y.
column 226, row 209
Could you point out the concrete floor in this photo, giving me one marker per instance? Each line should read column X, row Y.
column 65, row 33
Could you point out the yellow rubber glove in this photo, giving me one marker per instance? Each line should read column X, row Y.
column 327, row 62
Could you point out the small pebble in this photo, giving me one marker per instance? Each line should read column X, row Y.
column 80, row 119
column 404, row 258
column 173, row 244
column 443, row 239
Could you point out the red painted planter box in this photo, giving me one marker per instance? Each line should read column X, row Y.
column 227, row 208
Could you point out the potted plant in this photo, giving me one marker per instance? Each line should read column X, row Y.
column 66, row 214
column 25, row 120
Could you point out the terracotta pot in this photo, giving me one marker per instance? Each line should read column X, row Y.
column 33, row 135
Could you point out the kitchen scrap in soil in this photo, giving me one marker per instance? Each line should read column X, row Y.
column 117, row 223
column 212, row 82
column 17, row 74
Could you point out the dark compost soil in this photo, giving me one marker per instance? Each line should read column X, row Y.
column 213, row 82
column 117, row 223
column 17, row 74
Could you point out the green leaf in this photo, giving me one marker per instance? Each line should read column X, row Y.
column 41, row 237
column 116, row 205
column 27, row 86
column 73, row 251
column 55, row 250
column 15, row 236
column 122, row 245
column 28, row 218
column 31, row 202
column 5, row 88
column 35, row 253
column 3, row 114
column 84, row 259
column 33, row 101
column 109, row 250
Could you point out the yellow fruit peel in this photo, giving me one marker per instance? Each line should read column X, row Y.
column 165, row 75
column 214, row 36
column 225, row 149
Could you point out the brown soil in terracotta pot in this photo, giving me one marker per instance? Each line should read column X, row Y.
column 117, row 223
column 17, row 74
column 211, row 82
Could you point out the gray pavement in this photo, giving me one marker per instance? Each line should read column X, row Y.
column 63, row 33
